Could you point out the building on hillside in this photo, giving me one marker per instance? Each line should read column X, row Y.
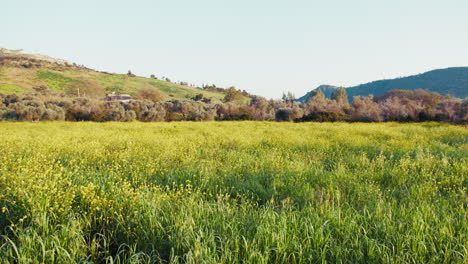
column 118, row 97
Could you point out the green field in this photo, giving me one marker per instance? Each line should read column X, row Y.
column 233, row 192
column 12, row 89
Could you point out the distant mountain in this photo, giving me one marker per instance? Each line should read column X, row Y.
column 326, row 89
column 452, row 81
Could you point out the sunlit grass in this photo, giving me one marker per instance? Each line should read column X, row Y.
column 230, row 192
column 11, row 88
column 55, row 81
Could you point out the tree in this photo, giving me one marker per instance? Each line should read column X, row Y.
column 397, row 109
column 450, row 109
column 261, row 108
column 230, row 111
column 197, row 97
column 130, row 74
column 318, row 94
column 463, row 112
column 288, row 98
column 284, row 114
column 365, row 109
column 340, row 97
column 151, row 94
column 233, row 95
column 317, row 102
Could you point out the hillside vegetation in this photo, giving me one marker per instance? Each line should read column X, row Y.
column 37, row 87
column 20, row 75
column 233, row 192
column 453, row 81
column 396, row 105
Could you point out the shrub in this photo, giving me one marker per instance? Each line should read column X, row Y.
column 151, row 94
column 233, row 96
column 153, row 114
column 80, row 110
column 197, row 97
column 233, row 112
column 284, row 114
column 365, row 109
column 323, row 117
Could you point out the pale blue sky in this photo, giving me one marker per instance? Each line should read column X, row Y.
column 264, row 47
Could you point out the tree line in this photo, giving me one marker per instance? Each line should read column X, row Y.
column 149, row 105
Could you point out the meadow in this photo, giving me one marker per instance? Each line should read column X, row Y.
column 233, row 192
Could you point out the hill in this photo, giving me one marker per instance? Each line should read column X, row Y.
column 452, row 81
column 326, row 89
column 21, row 71
column 7, row 53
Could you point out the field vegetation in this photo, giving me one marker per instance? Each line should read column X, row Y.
column 233, row 192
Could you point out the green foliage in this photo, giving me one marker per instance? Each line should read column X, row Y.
column 11, row 89
column 232, row 192
column 151, row 94
column 340, row 96
column 55, row 81
column 284, row 114
column 233, row 96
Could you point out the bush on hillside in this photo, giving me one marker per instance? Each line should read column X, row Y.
column 151, row 94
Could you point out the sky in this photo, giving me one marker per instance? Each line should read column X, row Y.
column 266, row 47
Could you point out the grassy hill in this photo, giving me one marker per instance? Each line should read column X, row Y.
column 20, row 72
column 452, row 81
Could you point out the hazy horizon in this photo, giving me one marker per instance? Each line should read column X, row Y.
column 266, row 47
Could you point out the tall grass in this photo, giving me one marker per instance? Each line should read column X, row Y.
column 233, row 192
